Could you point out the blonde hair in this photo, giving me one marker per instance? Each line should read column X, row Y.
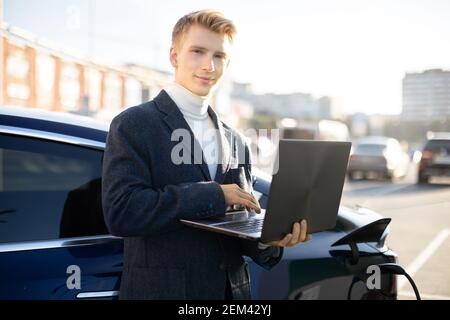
column 210, row 19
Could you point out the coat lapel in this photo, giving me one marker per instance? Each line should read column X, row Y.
column 226, row 143
column 175, row 120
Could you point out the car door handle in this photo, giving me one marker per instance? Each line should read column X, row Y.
column 89, row 240
column 97, row 294
column 5, row 211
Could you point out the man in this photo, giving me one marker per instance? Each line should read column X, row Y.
column 146, row 189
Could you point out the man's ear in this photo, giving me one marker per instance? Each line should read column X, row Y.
column 173, row 57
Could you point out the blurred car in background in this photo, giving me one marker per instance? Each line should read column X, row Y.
column 434, row 157
column 382, row 156
column 314, row 130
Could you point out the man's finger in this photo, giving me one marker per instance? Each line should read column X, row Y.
column 295, row 234
column 282, row 242
column 248, row 204
column 285, row 241
column 252, row 209
column 247, row 195
column 254, row 206
column 303, row 230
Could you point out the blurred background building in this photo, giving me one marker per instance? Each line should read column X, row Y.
column 426, row 95
column 37, row 74
column 294, row 105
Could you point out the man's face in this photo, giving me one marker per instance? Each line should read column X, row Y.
column 200, row 59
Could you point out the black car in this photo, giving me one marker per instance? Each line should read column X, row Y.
column 54, row 243
column 435, row 157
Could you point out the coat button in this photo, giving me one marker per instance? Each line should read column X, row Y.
column 222, row 266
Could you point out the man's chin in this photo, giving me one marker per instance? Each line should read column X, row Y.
column 202, row 92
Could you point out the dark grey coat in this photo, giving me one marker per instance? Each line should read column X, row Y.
column 144, row 194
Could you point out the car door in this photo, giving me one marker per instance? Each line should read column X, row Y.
column 53, row 240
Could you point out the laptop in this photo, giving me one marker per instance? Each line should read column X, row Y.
column 308, row 185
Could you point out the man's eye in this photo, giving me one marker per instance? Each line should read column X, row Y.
column 196, row 51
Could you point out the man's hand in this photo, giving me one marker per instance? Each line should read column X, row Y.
column 297, row 236
column 236, row 195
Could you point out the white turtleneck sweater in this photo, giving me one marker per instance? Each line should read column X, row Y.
column 195, row 110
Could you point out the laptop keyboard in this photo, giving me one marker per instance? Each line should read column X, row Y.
column 246, row 226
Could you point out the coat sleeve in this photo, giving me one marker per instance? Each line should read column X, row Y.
column 266, row 258
column 131, row 205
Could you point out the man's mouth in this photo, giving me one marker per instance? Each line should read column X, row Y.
column 205, row 78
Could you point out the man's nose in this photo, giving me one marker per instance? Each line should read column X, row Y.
column 208, row 64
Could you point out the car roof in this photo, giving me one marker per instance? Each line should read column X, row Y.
column 54, row 122
column 375, row 140
column 62, row 117
column 438, row 135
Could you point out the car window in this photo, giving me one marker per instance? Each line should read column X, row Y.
column 48, row 190
column 437, row 145
column 370, row 149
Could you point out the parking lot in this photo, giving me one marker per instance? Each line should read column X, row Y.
column 420, row 228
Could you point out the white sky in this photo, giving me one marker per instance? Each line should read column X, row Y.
column 356, row 51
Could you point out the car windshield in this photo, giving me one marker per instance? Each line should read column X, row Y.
column 370, row 149
column 437, row 145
